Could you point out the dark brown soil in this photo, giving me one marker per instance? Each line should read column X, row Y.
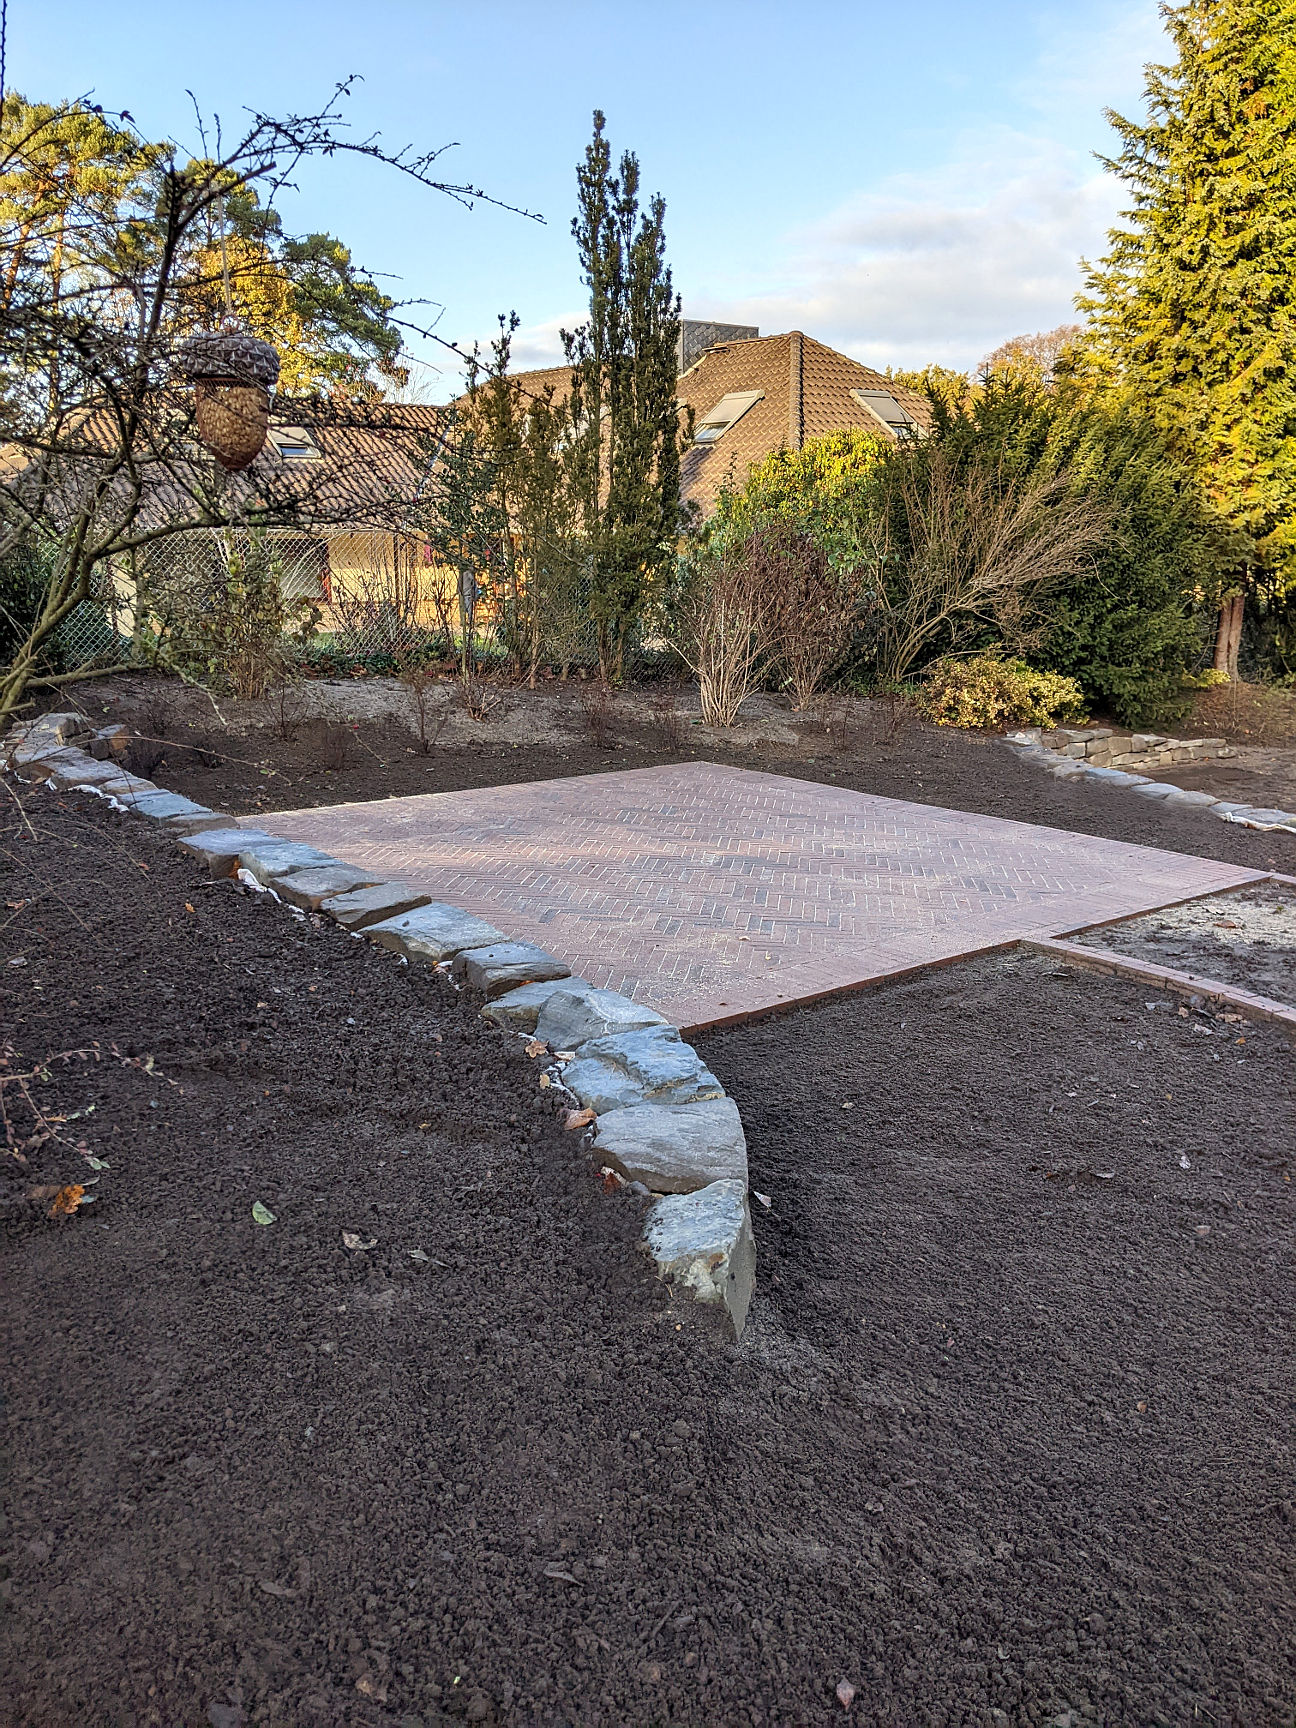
column 246, row 773
column 1004, row 1435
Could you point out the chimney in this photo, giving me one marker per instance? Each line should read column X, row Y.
column 696, row 337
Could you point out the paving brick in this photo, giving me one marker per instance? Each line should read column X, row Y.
column 713, row 893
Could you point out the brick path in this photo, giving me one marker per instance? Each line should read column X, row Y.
column 717, row 893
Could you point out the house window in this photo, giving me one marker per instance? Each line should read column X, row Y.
column 727, row 412
column 884, row 407
column 294, row 444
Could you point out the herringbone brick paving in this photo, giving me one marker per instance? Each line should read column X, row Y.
column 716, row 893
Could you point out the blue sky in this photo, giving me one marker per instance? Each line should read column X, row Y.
column 907, row 183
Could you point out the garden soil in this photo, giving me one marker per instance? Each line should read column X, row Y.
column 1008, row 1438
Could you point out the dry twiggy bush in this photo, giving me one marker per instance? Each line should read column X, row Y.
column 429, row 717
column 981, row 551
column 811, row 610
column 725, row 627
column 598, row 705
column 666, row 722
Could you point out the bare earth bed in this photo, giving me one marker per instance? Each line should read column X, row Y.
column 1007, row 1440
column 1246, row 938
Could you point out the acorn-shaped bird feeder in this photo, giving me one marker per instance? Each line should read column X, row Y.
column 232, row 374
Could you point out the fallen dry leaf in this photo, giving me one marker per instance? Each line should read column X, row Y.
column 188, row 907
column 535, row 1047
column 372, row 1688
column 358, row 1244
column 845, row 1694
column 578, row 1119
column 66, row 1200
column 545, row 1080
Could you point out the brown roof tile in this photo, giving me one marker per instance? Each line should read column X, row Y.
column 806, row 393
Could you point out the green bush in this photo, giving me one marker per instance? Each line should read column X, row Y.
column 988, row 691
column 1134, row 625
column 25, row 571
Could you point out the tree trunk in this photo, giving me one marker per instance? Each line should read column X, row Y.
column 1228, row 638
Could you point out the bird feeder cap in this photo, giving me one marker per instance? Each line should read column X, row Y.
column 229, row 357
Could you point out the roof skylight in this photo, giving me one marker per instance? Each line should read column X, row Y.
column 883, row 406
column 294, row 444
column 727, row 412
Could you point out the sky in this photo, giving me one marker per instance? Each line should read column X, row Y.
column 907, row 183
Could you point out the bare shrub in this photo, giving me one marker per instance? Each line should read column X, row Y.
column 666, row 721
column 840, row 719
column 892, row 716
column 724, row 620
column 598, row 705
column 284, row 702
column 335, row 742
column 982, row 551
column 378, row 607
column 812, row 611
column 429, row 717
column 477, row 698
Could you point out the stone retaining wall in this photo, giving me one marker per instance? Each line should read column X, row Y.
column 1141, row 751
column 656, row 1119
column 1120, row 758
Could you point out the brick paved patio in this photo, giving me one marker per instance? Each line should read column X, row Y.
column 717, row 893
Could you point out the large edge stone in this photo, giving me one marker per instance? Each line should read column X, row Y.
column 362, row 907
column 703, row 1243
column 674, row 1148
column 434, row 932
column 201, row 821
column 519, row 1010
column 161, row 806
column 493, row 970
column 651, row 1065
column 310, row 888
column 567, row 1021
column 272, row 859
column 217, row 849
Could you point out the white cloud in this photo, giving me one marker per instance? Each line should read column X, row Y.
column 943, row 265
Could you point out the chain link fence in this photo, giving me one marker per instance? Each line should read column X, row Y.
column 374, row 599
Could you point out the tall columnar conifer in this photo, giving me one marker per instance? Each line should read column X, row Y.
column 623, row 441
column 1194, row 308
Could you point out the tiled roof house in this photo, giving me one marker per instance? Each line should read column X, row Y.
column 756, row 394
column 770, row 392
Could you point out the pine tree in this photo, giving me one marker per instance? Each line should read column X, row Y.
column 623, row 441
column 1194, row 308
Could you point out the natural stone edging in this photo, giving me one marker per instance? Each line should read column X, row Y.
column 1087, row 755
column 1164, row 977
column 659, row 1116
